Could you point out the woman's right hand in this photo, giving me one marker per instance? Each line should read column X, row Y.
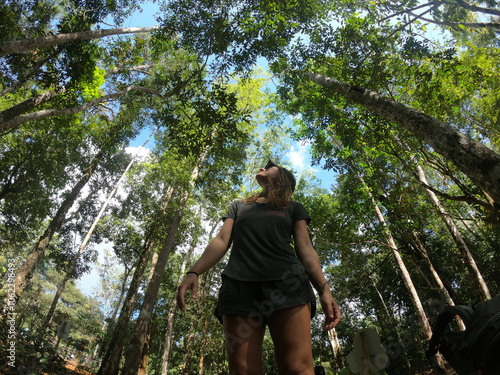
column 190, row 282
column 214, row 252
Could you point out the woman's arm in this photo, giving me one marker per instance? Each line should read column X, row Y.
column 214, row 252
column 310, row 259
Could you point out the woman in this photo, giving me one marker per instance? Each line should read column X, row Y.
column 266, row 282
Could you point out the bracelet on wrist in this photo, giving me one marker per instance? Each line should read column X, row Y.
column 322, row 287
column 196, row 273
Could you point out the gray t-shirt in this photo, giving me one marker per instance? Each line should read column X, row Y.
column 262, row 241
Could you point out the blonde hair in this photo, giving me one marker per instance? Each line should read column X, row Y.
column 279, row 191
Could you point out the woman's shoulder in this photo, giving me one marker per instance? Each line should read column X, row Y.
column 299, row 212
column 295, row 205
column 239, row 203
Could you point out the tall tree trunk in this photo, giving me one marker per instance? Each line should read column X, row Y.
column 207, row 314
column 144, row 320
column 143, row 364
column 132, row 358
column 86, row 240
column 173, row 306
column 113, row 315
column 171, row 315
column 392, row 321
column 437, row 279
column 201, row 364
column 422, row 318
column 15, row 122
column 25, row 272
column 478, row 162
column 188, row 350
column 435, row 275
column 111, row 362
column 467, row 257
column 123, row 290
column 189, row 343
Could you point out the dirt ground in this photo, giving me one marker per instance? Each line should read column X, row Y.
column 74, row 370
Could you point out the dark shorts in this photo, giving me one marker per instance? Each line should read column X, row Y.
column 259, row 299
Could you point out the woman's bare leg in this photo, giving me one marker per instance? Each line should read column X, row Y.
column 243, row 337
column 291, row 332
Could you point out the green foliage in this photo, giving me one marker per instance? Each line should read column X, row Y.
column 374, row 44
column 35, row 351
column 92, row 92
column 238, row 32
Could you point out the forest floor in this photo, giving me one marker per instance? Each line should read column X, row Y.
column 74, row 369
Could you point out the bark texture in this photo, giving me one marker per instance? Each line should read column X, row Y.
column 474, row 159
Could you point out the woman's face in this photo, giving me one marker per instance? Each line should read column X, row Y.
column 264, row 174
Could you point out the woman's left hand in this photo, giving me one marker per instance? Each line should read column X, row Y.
column 331, row 310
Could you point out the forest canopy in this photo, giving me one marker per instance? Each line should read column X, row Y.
column 121, row 146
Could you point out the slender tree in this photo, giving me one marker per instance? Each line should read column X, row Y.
column 25, row 272
column 469, row 260
column 142, row 325
column 86, row 240
column 111, row 360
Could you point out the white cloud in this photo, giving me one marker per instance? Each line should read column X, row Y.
column 299, row 156
column 142, row 153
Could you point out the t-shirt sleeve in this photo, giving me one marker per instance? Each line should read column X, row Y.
column 300, row 213
column 231, row 212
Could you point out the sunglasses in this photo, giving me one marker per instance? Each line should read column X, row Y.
column 270, row 164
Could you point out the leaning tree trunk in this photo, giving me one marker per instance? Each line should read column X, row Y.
column 112, row 317
column 422, row 318
column 143, row 322
column 478, row 162
column 110, row 364
column 435, row 275
column 467, row 257
column 133, row 356
column 23, row 45
column 28, row 105
column 25, row 272
column 391, row 321
column 12, row 123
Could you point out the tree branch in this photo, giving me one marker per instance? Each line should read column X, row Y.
column 432, row 4
column 459, row 198
column 475, row 8
column 19, row 120
column 474, row 25
column 138, row 68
